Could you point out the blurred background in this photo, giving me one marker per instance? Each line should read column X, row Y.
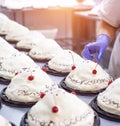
column 72, row 23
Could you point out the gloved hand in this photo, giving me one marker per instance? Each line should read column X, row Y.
column 96, row 48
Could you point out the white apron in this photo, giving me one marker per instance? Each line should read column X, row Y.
column 114, row 64
column 109, row 12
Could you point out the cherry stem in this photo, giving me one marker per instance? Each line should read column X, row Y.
column 96, row 66
column 72, row 57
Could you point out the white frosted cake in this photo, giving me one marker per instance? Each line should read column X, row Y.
column 6, row 49
column 109, row 100
column 4, row 121
column 16, row 4
column 30, row 40
column 15, row 32
column 27, row 85
column 59, row 108
column 46, row 50
column 64, row 61
column 88, row 76
column 4, row 23
column 13, row 63
column 3, row 16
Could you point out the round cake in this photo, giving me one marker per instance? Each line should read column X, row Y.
column 46, row 50
column 30, row 40
column 13, row 63
column 60, row 108
column 27, row 85
column 3, row 16
column 6, row 49
column 64, row 62
column 15, row 32
column 109, row 100
column 88, row 77
column 4, row 23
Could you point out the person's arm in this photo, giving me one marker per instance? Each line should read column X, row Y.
column 108, row 12
column 105, row 35
column 105, row 28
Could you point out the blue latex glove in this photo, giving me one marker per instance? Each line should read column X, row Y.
column 95, row 50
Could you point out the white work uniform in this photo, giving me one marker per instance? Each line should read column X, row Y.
column 109, row 12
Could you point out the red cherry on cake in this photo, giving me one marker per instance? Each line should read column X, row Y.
column 73, row 67
column 44, row 69
column 42, row 95
column 30, row 77
column 94, row 71
column 109, row 82
column 24, row 68
column 16, row 73
column 54, row 109
column 73, row 92
column 94, row 61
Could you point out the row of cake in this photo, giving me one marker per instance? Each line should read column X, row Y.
column 92, row 74
column 29, row 85
column 39, row 47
